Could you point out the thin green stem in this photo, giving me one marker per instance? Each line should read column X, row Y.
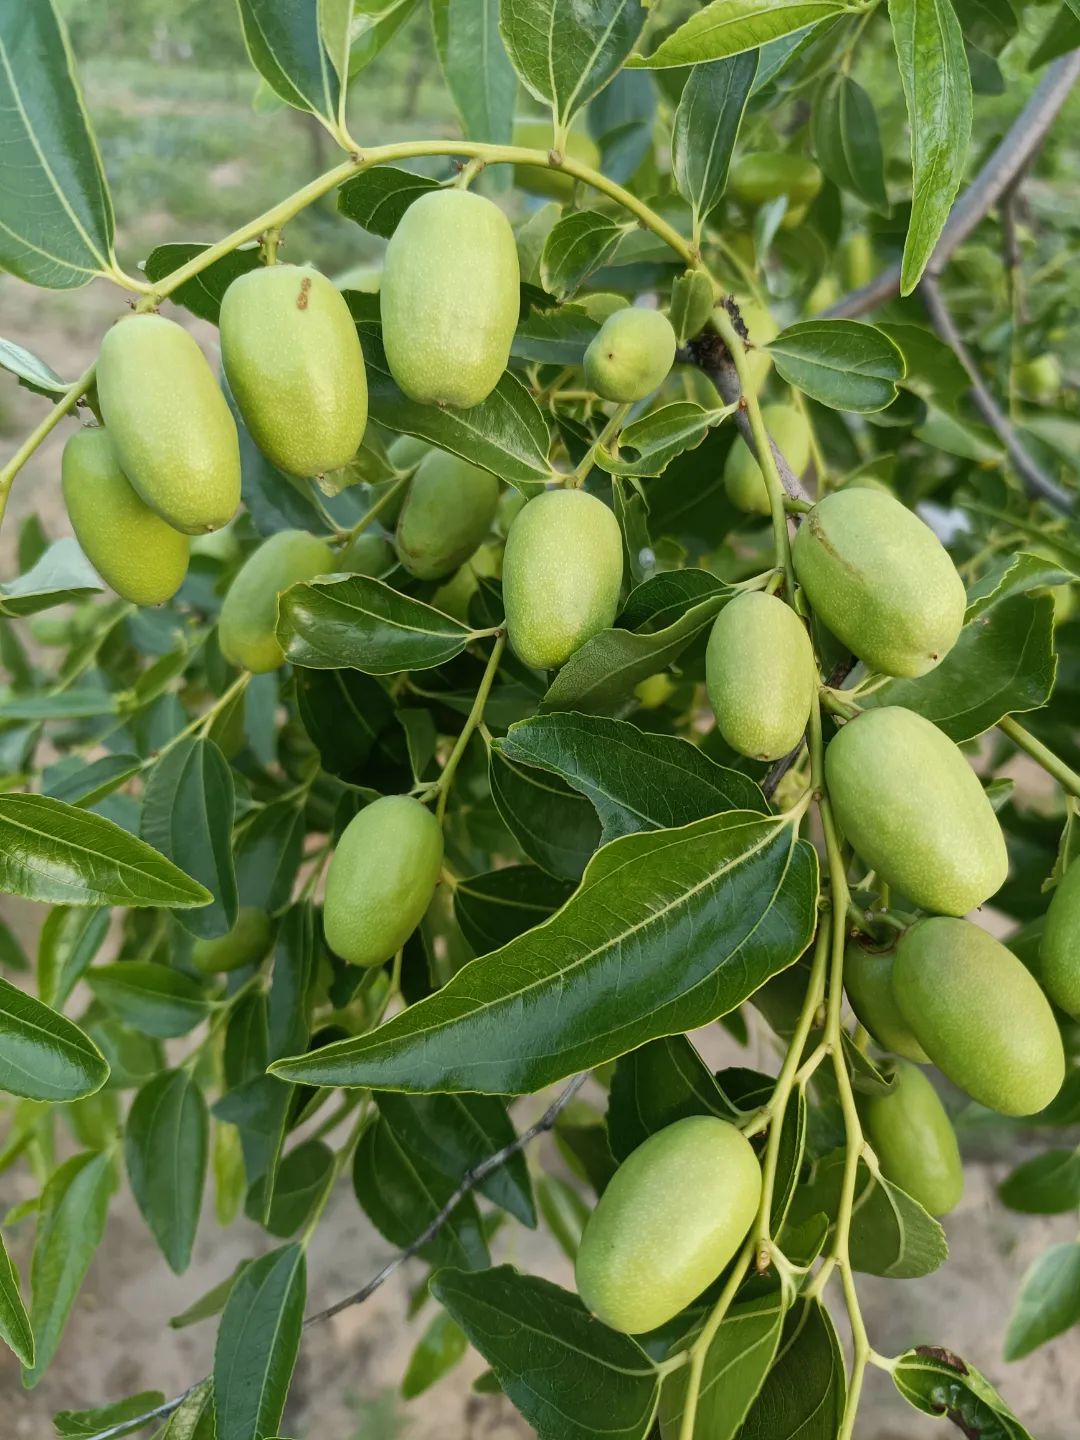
column 48, row 423
column 610, row 430
column 383, row 503
column 1053, row 764
column 475, row 716
column 700, row 1348
column 206, row 719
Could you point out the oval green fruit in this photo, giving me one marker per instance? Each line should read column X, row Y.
column 914, row 809
column 743, row 480
column 672, row 1216
column 757, row 178
column 630, row 355
column 761, row 675
column 250, row 610
column 511, row 503
column 447, row 513
column 1059, row 955
column 857, row 260
column 245, row 944
column 381, row 879
column 881, row 581
column 173, row 433
column 868, row 972
column 562, row 574
column 1039, row 379
column 544, row 179
column 406, row 451
column 133, row 550
column 295, row 368
column 450, row 298
column 980, row 1015
column 915, row 1142
column 366, row 554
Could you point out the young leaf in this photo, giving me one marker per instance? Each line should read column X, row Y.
column 187, row 814
column 61, row 575
column 728, row 27
column 577, row 245
column 1049, row 1300
column 257, row 1344
column 553, row 824
column 570, row 1376
column 285, row 45
column 494, row 908
column 484, row 93
column 166, row 1142
column 648, row 446
column 847, row 141
column 56, row 852
column 42, row 1055
column 657, row 1084
column 56, row 217
column 937, row 86
column 203, row 294
column 120, row 1417
column 804, row 1391
column 438, row 1350
column 635, row 779
column 151, row 998
column 937, row 1382
column 15, row 1329
column 844, row 364
column 356, row 622
column 736, row 1364
column 668, row 931
column 1047, row 1184
column 31, row 371
column 70, row 1224
column 378, row 198
column 706, row 125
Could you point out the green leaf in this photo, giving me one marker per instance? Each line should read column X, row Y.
column 285, row 45
column 565, row 52
column 1047, row 1184
column 728, row 27
column 577, row 245
column 847, row 141
column 70, row 1224
column 68, row 942
column 1049, row 1300
column 938, row 1383
column 56, row 217
column 736, row 1364
column 570, row 1376
column 565, row 1212
column 31, row 370
column 15, row 1329
column 937, row 86
column 211, row 1303
column 371, row 25
column 61, row 575
column 203, row 294
column 635, row 779
column 439, row 1349
column 299, row 1184
column 166, row 1143
column 402, row 1193
column 121, row 1417
column 554, row 337
column 187, row 814
column 476, row 67
column 11, row 952
column 260, row 1110
column 296, row 958
column 55, row 852
column 706, row 125
column 657, row 1084
column 648, row 446
column 194, row 1420
column 378, row 198
column 85, row 784
column 149, row 997
column 357, row 622
column 553, row 824
column 494, row 908
column 344, row 712
column 668, row 930
column 257, row 1345
column 43, row 1056
column 268, row 856
column 73, row 704
column 803, row 1394
column 845, row 364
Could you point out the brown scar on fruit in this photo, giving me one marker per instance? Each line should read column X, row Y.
column 302, row 298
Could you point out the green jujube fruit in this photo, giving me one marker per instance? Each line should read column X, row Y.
column 367, row 554
column 979, row 1014
column 743, row 480
column 1039, row 379
column 881, row 581
column 1059, row 956
column 915, row 1142
column 450, row 298
column 672, row 1216
column 630, row 355
column 447, row 513
column 133, row 550
column 760, row 328
column 761, row 675
column 914, row 810
column 250, row 610
column 762, row 176
column 868, row 984
column 173, row 432
column 245, row 944
column 562, row 574
column 543, row 179
column 381, row 879
column 295, row 368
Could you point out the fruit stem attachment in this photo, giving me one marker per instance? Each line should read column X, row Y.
column 1053, row 764
column 383, row 503
column 475, row 716
column 67, row 402
column 269, row 245
column 577, row 478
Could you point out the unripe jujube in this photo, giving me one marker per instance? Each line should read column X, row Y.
column 381, row 879
column 173, row 433
column 1059, row 958
column 914, row 810
column 245, row 944
column 868, row 982
column 367, row 554
column 760, row 328
column 979, row 1014
column 543, row 179
column 915, row 1142
column 743, row 480
column 128, row 544
column 762, row 176
column 631, row 354
column 562, row 573
column 294, row 365
column 761, row 675
column 447, row 513
column 250, row 610
column 881, row 581
column 672, row 1216
column 450, row 298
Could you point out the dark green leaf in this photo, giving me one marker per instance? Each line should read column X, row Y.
column 149, row 997
column 939, row 1383
column 577, row 245
column 295, row 959
column 32, row 371
column 203, row 294
column 648, row 446
column 570, row 1376
column 11, row 952
column 43, row 1056
column 268, row 856
column 69, row 940
column 15, row 1329
column 467, row 32
column 657, row 1084
column 803, row 1394
column 728, row 27
column 847, row 141
column 554, row 337
column 551, row 822
column 85, row 1424
column 210, row 1304
column 378, row 198
column 344, row 712
column 286, row 47
column 247, row 1040
column 299, row 1184
column 668, row 931
column 257, row 1345
column 61, row 575
column 166, row 1142
column 85, row 784
column 493, row 909
column 439, row 1349
column 1049, row 1300
column 736, row 1364
column 1048, row 1184
column 706, row 125
column 259, row 1109
column 845, row 364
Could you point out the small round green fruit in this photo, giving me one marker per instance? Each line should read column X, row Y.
column 1059, row 956
column 868, row 982
column 245, row 944
column 915, row 1142
column 249, row 613
column 366, row 554
column 761, row 675
column 630, row 356
column 743, row 480
column 760, row 177
column 1039, row 379
column 447, row 513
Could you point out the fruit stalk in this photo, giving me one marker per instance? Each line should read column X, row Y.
column 42, row 430
column 700, row 1348
column 476, row 714
column 1042, row 754
column 575, row 480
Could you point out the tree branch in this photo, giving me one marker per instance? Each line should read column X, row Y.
column 1036, row 482
column 1026, row 134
